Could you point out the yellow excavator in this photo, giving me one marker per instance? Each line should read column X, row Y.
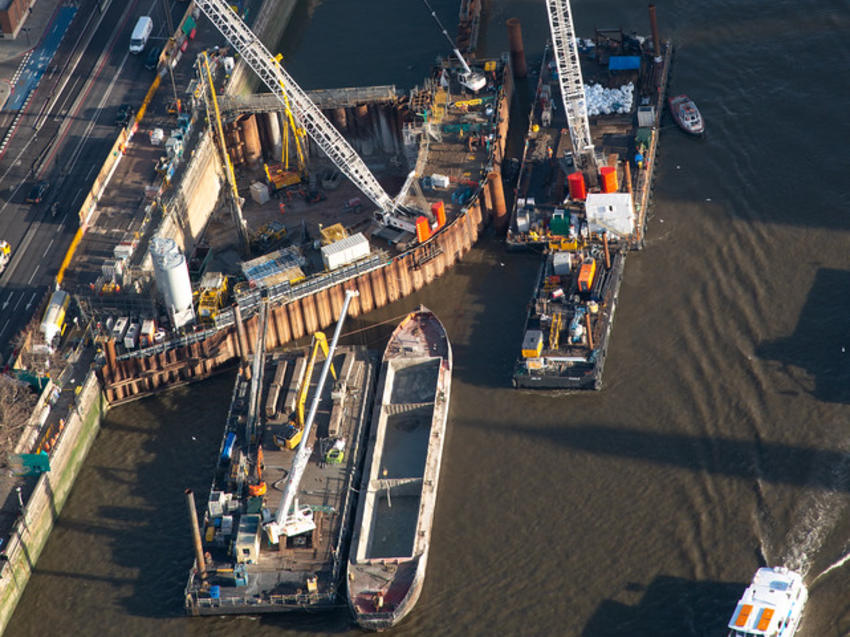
column 294, row 430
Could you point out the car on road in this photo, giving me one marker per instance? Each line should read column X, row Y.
column 124, row 115
column 152, row 57
column 37, row 192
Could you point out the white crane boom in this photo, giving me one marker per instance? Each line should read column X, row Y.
column 471, row 80
column 570, row 79
column 328, row 138
column 298, row 521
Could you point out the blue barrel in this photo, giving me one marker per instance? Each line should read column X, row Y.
column 215, row 592
column 229, row 442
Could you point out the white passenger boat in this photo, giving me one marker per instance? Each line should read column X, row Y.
column 772, row 606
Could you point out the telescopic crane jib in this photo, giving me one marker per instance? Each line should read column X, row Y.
column 468, row 78
column 292, row 519
column 313, row 121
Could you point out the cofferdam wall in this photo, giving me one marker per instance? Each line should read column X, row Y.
column 129, row 377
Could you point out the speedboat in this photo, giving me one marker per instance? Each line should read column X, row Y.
column 686, row 114
column 772, row 605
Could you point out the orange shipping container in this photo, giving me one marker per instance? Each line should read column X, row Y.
column 423, row 231
column 608, row 176
column 586, row 274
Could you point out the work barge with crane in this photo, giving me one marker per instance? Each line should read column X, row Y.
column 583, row 192
column 275, row 452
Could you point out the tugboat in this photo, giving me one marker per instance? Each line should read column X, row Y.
column 686, row 114
column 772, row 606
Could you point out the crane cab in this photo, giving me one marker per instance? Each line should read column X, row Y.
column 472, row 81
column 290, row 437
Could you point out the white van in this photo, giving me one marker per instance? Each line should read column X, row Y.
column 141, row 32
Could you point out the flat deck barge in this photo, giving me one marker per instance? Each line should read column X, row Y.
column 585, row 222
column 245, row 572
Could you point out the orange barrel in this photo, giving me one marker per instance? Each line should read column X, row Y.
column 439, row 211
column 608, row 175
column 577, row 188
column 422, row 229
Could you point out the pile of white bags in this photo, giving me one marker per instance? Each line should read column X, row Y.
column 604, row 101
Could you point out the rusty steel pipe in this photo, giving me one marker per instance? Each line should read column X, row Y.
column 653, row 24
column 196, row 534
column 517, row 50
column 607, row 252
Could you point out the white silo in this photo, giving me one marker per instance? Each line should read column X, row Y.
column 172, row 279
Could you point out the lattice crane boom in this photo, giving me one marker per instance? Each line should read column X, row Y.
column 569, row 77
column 279, row 82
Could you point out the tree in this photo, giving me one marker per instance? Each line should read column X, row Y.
column 17, row 402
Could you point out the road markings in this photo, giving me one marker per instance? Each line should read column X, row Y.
column 48, row 247
column 29, row 305
column 5, row 325
column 14, row 309
column 8, row 300
column 34, row 272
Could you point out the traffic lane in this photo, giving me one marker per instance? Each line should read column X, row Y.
column 115, row 73
column 32, row 280
column 40, row 245
column 127, row 73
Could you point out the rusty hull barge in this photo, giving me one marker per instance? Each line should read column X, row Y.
column 395, row 511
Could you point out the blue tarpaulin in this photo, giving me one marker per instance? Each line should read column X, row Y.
column 624, row 63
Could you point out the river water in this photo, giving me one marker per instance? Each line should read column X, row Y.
column 719, row 443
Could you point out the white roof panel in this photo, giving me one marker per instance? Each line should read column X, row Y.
column 611, row 211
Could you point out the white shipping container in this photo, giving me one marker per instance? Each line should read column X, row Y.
column 562, row 263
column 646, row 116
column 132, row 336
column 259, row 192
column 148, row 330
column 523, row 223
column 345, row 251
column 440, row 181
column 119, row 328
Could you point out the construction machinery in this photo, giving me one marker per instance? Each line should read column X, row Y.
column 292, row 519
column 268, row 68
column 256, row 485
column 571, row 82
column 332, row 234
column 467, row 78
column 280, row 177
column 5, row 254
column 293, row 433
column 298, row 134
column 212, row 295
column 214, row 115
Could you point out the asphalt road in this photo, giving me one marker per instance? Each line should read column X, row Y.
column 64, row 137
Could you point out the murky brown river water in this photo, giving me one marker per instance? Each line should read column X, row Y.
column 719, row 443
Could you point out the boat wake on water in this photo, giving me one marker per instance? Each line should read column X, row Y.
column 819, row 519
column 835, row 565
